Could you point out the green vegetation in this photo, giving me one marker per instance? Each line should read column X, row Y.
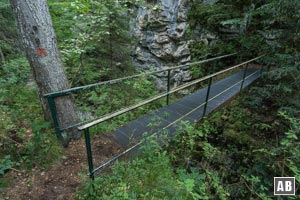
column 8, row 32
column 230, row 155
column 99, row 48
column 91, row 36
column 26, row 140
column 149, row 176
column 251, row 28
column 95, row 39
column 236, row 152
column 233, row 154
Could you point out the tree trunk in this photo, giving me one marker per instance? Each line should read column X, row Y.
column 39, row 40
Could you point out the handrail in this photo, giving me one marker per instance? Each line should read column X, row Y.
column 132, row 107
column 51, row 96
column 106, row 163
column 86, row 127
column 113, row 81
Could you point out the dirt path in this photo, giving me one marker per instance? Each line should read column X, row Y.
column 62, row 179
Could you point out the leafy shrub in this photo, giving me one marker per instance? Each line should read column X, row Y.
column 42, row 148
column 25, row 137
column 15, row 71
column 5, row 164
column 281, row 81
column 150, row 177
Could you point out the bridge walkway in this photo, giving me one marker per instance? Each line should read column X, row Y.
column 189, row 108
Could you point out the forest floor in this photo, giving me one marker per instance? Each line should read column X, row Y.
column 61, row 180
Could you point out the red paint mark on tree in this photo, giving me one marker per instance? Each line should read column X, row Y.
column 41, row 52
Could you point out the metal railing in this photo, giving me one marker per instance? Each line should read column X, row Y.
column 85, row 126
column 52, row 96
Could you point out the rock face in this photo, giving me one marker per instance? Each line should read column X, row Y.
column 160, row 29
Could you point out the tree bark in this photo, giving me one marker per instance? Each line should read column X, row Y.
column 40, row 44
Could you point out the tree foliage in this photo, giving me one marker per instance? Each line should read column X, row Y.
column 233, row 155
column 8, row 33
column 99, row 43
column 236, row 152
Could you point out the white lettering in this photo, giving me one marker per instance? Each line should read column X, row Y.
column 288, row 186
column 280, row 186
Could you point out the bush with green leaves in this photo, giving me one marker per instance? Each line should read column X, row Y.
column 260, row 27
column 195, row 157
column 230, row 149
column 150, row 176
column 99, row 45
column 25, row 136
column 282, row 80
column 26, row 140
column 279, row 160
column 9, row 44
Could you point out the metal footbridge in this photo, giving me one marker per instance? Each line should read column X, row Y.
column 220, row 88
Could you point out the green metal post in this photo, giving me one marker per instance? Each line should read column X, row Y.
column 207, row 96
column 168, row 86
column 52, row 107
column 244, row 76
column 89, row 152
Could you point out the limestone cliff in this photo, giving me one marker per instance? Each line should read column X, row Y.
column 160, row 29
